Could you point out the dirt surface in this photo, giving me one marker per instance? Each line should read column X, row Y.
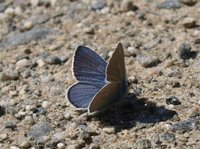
column 161, row 40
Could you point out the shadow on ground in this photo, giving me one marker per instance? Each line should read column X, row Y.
column 134, row 112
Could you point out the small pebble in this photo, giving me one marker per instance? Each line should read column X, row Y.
column 131, row 51
column 24, row 144
column 39, row 111
column 143, row 144
column 40, row 63
column 197, row 41
column 105, row 10
column 67, row 116
column 164, row 137
column 170, row 4
column 186, row 125
column 23, row 63
column 39, row 130
column 3, row 136
column 89, row 30
column 128, row 5
column 173, row 100
column 28, row 120
column 189, row 22
column 189, row 2
column 52, row 60
column 60, row 145
column 14, row 147
column 185, row 51
column 54, row 47
column 18, row 11
column 148, row 61
column 9, row 11
column 45, row 104
column 11, row 125
column 53, row 2
column 27, row 25
column 94, row 146
column 98, row 4
column 109, row 130
column 9, row 75
column 34, row 2
column 168, row 126
column 167, row 137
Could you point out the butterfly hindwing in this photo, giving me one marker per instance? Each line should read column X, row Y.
column 88, row 66
column 81, row 94
column 105, row 97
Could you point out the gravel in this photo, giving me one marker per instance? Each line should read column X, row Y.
column 161, row 46
column 23, row 38
column 170, row 4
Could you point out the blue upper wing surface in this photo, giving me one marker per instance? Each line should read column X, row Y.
column 81, row 94
column 88, row 66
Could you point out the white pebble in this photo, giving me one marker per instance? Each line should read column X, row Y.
column 34, row 2
column 45, row 104
column 105, row 10
column 110, row 53
column 14, row 147
column 18, row 11
column 22, row 63
column 9, row 11
column 60, row 145
column 2, row 17
column 28, row 25
column 53, row 2
column 4, row 136
column 29, row 108
column 168, row 126
column 67, row 115
column 171, row 106
column 109, row 130
column 40, row 63
column 21, row 113
column 25, row 144
column 13, row 102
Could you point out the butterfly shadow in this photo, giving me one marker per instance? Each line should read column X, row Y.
column 134, row 112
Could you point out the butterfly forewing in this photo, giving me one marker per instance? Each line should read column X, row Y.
column 88, row 66
column 116, row 71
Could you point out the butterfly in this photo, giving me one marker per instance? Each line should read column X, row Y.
column 98, row 84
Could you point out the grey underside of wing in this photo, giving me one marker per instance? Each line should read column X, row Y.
column 81, row 94
column 88, row 66
column 116, row 71
column 108, row 95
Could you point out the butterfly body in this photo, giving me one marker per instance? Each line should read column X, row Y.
column 99, row 84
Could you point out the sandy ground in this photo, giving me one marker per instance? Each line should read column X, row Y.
column 161, row 40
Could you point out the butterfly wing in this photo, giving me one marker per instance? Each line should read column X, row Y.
column 81, row 94
column 117, row 86
column 105, row 97
column 116, row 71
column 88, row 66
column 89, row 70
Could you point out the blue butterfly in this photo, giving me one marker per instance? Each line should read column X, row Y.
column 99, row 84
